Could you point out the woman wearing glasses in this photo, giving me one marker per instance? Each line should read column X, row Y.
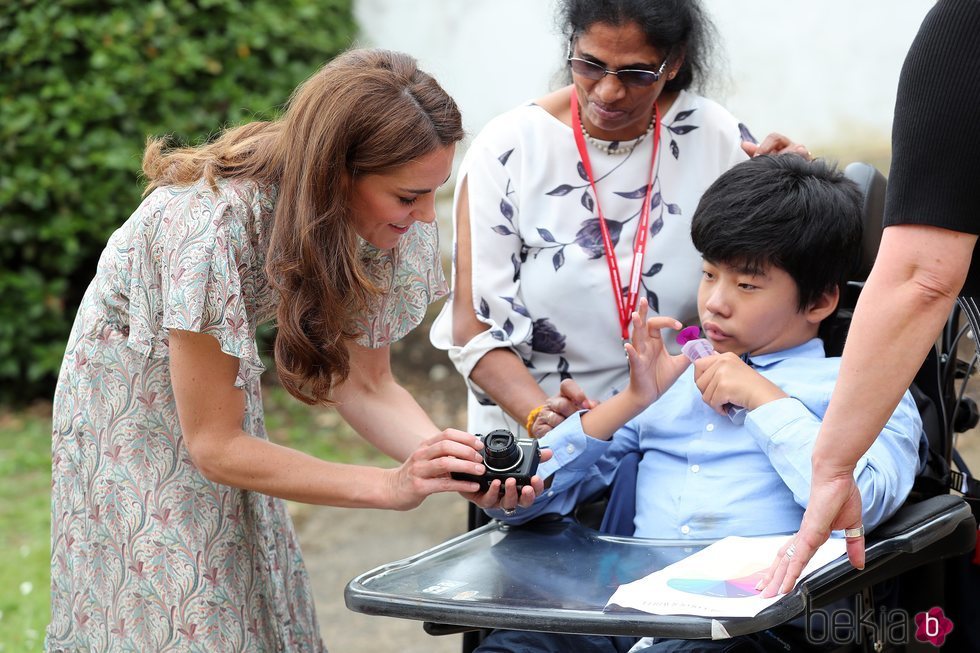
column 570, row 208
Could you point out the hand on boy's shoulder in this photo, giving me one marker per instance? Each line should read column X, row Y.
column 726, row 379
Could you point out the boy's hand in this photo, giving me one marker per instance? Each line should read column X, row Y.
column 505, row 496
column 726, row 379
column 652, row 368
column 569, row 400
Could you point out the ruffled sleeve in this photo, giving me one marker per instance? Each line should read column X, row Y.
column 198, row 271
column 490, row 168
column 411, row 277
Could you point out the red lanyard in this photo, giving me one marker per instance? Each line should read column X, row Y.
column 625, row 307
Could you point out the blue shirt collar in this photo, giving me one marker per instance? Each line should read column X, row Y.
column 810, row 349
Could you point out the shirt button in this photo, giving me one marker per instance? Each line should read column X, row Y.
column 551, row 493
column 685, row 529
column 570, row 448
column 695, row 468
column 709, row 427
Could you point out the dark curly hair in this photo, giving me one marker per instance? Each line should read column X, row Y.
column 678, row 26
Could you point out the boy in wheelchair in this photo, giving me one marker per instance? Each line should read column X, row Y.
column 779, row 237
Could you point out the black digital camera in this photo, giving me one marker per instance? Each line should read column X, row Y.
column 505, row 457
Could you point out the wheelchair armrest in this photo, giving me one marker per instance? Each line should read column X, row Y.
column 911, row 516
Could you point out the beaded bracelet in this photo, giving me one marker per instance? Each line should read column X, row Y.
column 533, row 415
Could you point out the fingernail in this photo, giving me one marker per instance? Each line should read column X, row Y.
column 759, row 586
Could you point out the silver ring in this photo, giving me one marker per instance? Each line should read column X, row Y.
column 790, row 552
column 851, row 533
column 509, row 512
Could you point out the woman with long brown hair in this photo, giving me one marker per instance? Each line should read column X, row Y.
column 168, row 527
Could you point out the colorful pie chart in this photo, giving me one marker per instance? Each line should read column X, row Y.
column 734, row 588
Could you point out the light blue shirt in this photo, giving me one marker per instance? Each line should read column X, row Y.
column 702, row 477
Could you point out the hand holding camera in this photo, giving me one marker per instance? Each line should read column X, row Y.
column 505, row 456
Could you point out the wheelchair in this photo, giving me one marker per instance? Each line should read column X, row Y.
column 556, row 575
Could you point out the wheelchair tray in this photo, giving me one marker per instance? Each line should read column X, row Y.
column 557, row 576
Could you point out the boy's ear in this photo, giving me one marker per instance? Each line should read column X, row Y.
column 823, row 306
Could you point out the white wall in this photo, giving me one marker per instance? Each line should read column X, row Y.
column 490, row 55
column 824, row 71
column 821, row 71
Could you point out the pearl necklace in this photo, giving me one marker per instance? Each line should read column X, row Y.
column 613, row 147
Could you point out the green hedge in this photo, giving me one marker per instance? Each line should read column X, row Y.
column 82, row 84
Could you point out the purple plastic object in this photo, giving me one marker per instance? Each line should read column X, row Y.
column 695, row 347
column 687, row 334
column 692, row 344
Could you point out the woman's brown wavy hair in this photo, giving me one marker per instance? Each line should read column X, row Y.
column 366, row 112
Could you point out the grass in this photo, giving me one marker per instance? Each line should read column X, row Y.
column 25, row 486
column 25, row 482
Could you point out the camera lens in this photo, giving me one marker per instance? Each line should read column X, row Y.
column 500, row 451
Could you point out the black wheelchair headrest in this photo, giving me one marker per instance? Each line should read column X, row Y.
column 872, row 185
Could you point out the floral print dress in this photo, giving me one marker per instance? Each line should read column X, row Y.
column 146, row 553
column 540, row 278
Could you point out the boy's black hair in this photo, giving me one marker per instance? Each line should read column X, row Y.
column 802, row 216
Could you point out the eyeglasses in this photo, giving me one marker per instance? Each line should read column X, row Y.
column 628, row 76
